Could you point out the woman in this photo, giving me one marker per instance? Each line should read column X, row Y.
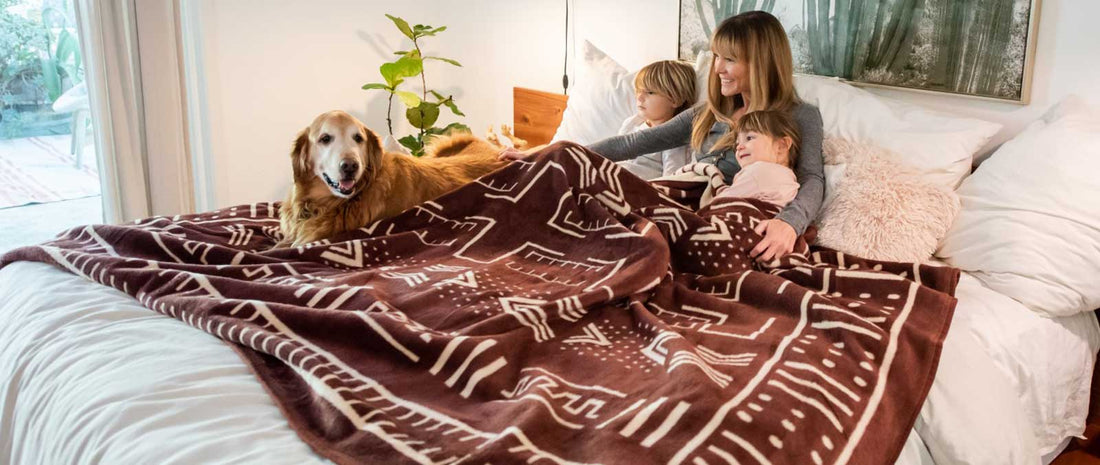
column 752, row 70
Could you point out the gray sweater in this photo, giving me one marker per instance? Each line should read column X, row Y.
column 677, row 131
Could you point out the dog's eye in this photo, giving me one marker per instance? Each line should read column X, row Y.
column 325, row 139
column 358, row 138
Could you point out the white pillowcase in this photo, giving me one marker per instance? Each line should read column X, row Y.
column 1049, row 361
column 1030, row 221
column 940, row 146
column 602, row 98
column 880, row 208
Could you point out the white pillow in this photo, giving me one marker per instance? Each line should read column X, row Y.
column 940, row 146
column 603, row 96
column 601, row 99
column 702, row 72
column 1030, row 221
column 880, row 209
column 1049, row 361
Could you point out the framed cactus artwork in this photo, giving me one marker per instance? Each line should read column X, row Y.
column 979, row 48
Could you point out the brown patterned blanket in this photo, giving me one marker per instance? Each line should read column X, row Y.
column 556, row 311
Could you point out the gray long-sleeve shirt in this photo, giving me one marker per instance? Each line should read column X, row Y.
column 677, row 131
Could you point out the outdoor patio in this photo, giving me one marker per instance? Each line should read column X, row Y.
column 43, row 191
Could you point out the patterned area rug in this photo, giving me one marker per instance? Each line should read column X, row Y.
column 41, row 169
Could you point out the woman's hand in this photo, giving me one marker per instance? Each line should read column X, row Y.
column 778, row 240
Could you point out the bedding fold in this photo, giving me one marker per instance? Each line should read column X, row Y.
column 558, row 309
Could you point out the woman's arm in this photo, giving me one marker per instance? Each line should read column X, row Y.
column 672, row 133
column 810, row 171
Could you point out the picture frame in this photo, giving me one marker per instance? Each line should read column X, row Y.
column 983, row 50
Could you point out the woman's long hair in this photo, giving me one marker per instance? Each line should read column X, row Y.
column 757, row 39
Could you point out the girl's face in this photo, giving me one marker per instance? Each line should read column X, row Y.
column 654, row 107
column 755, row 147
column 732, row 73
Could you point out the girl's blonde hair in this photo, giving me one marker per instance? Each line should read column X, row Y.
column 757, row 39
column 675, row 80
column 774, row 124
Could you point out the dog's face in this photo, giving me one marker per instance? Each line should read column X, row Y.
column 337, row 151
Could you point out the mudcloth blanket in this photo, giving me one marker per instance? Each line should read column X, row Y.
column 556, row 311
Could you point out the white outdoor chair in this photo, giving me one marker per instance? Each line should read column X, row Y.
column 75, row 101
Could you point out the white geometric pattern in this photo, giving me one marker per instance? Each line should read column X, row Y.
column 403, row 337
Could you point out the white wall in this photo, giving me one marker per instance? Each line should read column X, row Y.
column 271, row 66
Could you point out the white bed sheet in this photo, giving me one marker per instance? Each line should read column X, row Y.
column 94, row 377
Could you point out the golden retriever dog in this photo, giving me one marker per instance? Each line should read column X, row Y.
column 344, row 181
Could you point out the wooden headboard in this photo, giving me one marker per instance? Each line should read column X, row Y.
column 536, row 114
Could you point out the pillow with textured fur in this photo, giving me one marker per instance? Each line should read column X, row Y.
column 880, row 208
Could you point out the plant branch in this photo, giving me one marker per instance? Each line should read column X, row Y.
column 389, row 109
column 423, row 82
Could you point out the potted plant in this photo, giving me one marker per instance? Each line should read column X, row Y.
column 421, row 112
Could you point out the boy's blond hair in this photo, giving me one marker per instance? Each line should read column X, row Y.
column 774, row 124
column 675, row 80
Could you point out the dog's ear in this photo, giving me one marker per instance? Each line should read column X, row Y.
column 299, row 156
column 374, row 147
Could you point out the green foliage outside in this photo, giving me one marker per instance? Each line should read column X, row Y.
column 421, row 112
column 39, row 60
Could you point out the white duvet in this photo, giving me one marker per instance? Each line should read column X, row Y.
column 90, row 376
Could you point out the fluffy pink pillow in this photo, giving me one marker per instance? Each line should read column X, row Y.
column 879, row 208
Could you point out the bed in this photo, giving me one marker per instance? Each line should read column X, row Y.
column 133, row 399
column 94, row 376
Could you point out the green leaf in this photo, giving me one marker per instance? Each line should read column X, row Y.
column 52, row 79
column 410, row 99
column 66, row 47
column 411, row 143
column 423, row 116
column 375, row 85
column 448, row 60
column 450, row 103
column 439, row 97
column 456, row 127
column 402, row 25
column 432, row 32
column 402, row 68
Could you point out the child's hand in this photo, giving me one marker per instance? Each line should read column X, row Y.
column 510, row 154
column 779, row 238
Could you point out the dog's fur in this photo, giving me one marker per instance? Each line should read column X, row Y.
column 381, row 184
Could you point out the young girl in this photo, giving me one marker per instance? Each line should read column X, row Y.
column 767, row 145
column 663, row 90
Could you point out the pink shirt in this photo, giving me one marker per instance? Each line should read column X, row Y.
column 772, row 183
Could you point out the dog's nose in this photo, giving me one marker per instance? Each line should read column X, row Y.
column 348, row 168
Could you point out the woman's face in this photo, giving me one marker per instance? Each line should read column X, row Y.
column 732, row 73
